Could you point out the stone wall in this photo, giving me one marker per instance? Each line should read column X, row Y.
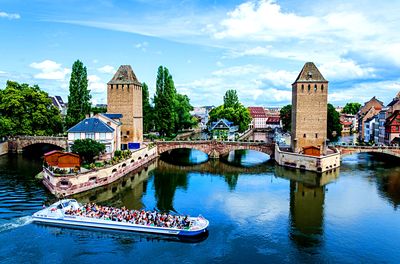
column 305, row 162
column 309, row 114
column 3, row 148
column 126, row 99
column 65, row 185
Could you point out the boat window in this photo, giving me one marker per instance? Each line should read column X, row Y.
column 59, row 206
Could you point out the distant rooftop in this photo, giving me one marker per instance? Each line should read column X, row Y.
column 310, row 73
column 124, row 75
column 257, row 112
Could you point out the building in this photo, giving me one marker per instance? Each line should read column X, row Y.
column 369, row 129
column 258, row 117
column 309, row 109
column 370, row 109
column 348, row 123
column 124, row 96
column 274, row 122
column 95, row 129
column 394, row 104
column 114, row 121
column 392, row 127
column 272, row 111
column 202, row 114
column 381, row 127
column 223, row 129
column 59, row 103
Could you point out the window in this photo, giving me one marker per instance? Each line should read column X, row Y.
column 316, row 135
column 309, row 87
column 302, row 87
column 89, row 135
column 77, row 136
column 315, row 87
column 304, row 136
column 322, row 87
column 127, row 132
column 102, row 135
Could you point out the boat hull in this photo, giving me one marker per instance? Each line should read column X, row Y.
column 113, row 225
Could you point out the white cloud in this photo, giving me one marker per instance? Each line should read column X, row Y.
column 9, row 15
column 343, row 69
column 50, row 70
column 96, row 85
column 237, row 70
column 107, row 69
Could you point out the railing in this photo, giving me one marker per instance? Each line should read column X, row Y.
column 38, row 137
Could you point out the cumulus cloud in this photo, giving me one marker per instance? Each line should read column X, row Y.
column 50, row 70
column 343, row 69
column 107, row 69
column 96, row 85
column 9, row 15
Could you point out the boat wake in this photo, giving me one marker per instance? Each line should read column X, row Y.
column 15, row 223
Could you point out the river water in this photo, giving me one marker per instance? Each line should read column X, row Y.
column 258, row 212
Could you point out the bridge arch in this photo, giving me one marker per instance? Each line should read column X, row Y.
column 215, row 149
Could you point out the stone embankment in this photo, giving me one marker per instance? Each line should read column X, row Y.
column 68, row 184
column 3, row 148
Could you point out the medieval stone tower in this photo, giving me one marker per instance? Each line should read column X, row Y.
column 309, row 109
column 124, row 96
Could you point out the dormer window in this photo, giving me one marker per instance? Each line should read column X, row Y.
column 309, row 75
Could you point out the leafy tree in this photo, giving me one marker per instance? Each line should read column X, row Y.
column 286, row 117
column 232, row 110
column 351, row 108
column 98, row 110
column 87, row 149
column 79, row 95
column 148, row 120
column 231, row 99
column 333, row 123
column 171, row 110
column 27, row 110
column 184, row 119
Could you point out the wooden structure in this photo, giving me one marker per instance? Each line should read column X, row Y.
column 312, row 151
column 62, row 159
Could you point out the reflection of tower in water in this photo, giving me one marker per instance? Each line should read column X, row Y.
column 306, row 212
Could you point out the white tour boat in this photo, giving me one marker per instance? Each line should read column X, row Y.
column 56, row 214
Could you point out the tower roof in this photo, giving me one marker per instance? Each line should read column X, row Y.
column 310, row 73
column 124, row 75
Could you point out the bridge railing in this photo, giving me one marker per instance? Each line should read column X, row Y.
column 216, row 141
column 366, row 147
column 37, row 137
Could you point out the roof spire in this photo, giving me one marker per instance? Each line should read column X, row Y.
column 124, row 75
column 310, row 73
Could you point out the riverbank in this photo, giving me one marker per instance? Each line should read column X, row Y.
column 62, row 185
column 3, row 148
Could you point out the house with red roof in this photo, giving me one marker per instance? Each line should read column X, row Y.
column 392, row 127
column 258, row 117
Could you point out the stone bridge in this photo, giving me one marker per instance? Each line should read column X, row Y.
column 17, row 144
column 348, row 150
column 215, row 149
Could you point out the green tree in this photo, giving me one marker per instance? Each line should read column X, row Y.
column 351, row 108
column 334, row 126
column 231, row 99
column 79, row 95
column 286, row 117
column 87, row 149
column 171, row 110
column 27, row 110
column 232, row 110
column 98, row 110
column 148, row 115
column 183, row 107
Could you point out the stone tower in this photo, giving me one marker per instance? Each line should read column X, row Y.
column 124, row 96
column 309, row 109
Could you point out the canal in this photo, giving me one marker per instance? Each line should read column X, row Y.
column 258, row 213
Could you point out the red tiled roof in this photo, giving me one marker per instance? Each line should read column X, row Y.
column 273, row 119
column 257, row 112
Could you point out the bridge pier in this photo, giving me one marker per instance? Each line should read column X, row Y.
column 214, row 154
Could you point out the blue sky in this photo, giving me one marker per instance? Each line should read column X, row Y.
column 256, row 47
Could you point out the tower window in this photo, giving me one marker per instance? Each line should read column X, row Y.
column 302, row 87
column 309, row 87
column 322, row 87
column 316, row 135
column 127, row 132
column 315, row 87
column 304, row 136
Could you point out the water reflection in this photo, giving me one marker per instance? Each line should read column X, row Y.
column 247, row 158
